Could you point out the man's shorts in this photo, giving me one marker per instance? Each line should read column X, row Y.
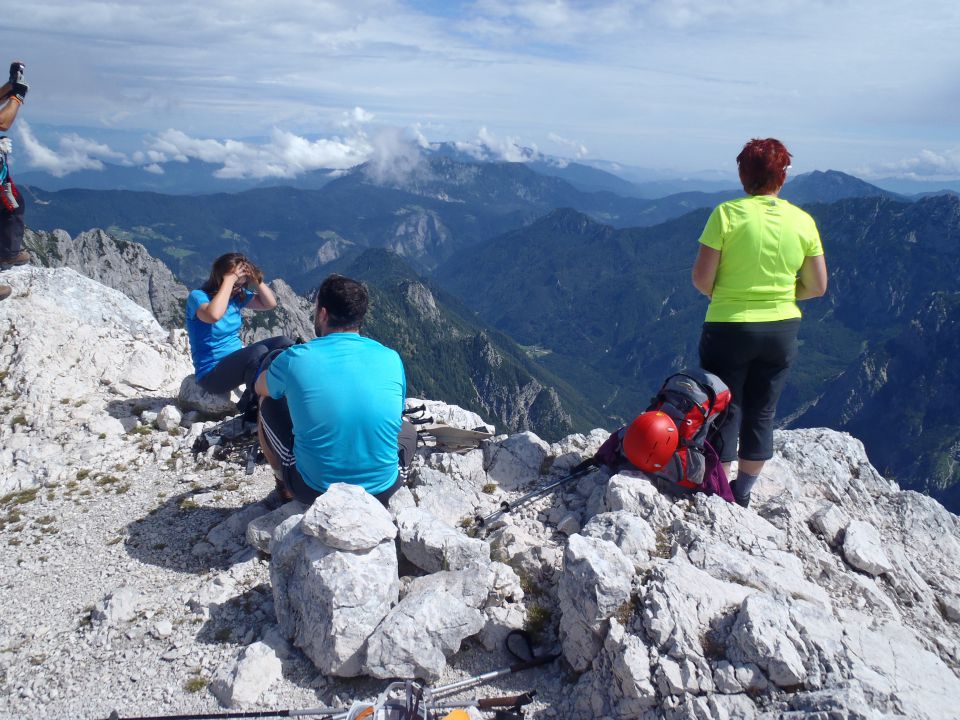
column 278, row 432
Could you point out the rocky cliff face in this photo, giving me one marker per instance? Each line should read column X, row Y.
column 119, row 264
column 137, row 579
column 292, row 317
column 899, row 397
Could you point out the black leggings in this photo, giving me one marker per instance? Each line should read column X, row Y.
column 11, row 230
column 240, row 367
column 753, row 359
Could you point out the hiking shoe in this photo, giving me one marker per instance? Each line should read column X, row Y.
column 280, row 495
column 21, row 258
column 5, row 291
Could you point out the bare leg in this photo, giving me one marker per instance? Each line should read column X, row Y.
column 751, row 467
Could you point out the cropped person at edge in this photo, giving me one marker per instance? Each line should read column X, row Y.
column 758, row 256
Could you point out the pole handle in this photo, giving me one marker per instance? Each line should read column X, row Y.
column 506, row 701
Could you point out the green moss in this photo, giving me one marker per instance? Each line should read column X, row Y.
column 196, row 684
column 537, row 620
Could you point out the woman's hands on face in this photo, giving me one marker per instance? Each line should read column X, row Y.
column 252, row 276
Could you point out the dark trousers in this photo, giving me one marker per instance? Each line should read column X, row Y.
column 278, row 432
column 753, row 359
column 240, row 367
column 11, row 230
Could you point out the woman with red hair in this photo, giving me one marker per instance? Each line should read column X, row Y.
column 758, row 256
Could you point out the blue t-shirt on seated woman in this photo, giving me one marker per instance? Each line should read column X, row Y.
column 212, row 342
column 345, row 394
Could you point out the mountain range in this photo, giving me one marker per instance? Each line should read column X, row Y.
column 613, row 311
column 447, row 352
column 427, row 215
column 593, row 286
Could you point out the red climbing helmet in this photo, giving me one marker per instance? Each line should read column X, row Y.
column 650, row 441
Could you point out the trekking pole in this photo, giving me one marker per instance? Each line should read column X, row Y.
column 319, row 711
column 528, row 659
column 489, row 703
column 505, row 506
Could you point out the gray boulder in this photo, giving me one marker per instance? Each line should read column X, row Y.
column 260, row 529
column 633, row 535
column 329, row 601
column 420, row 633
column 596, row 583
column 241, row 682
column 863, row 548
column 194, row 397
column 516, row 461
column 118, row 607
column 347, row 517
column 432, row 545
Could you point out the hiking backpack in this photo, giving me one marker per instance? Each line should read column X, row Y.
column 694, row 400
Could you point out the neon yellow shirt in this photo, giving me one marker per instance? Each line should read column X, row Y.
column 763, row 241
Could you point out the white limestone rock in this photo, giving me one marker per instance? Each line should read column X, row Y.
column 432, row 545
column 118, row 607
column 830, row 521
column 596, row 583
column 630, row 668
column 261, row 528
column 450, row 414
column 168, row 418
column 420, row 633
column 633, row 535
column 242, row 682
column 573, row 449
column 863, row 548
column 499, row 622
column 329, row 601
column 347, row 517
column 229, row 534
column 516, row 461
column 764, row 634
column 450, row 485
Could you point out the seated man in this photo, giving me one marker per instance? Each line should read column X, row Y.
column 331, row 408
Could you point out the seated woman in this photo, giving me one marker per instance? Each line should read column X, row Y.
column 220, row 360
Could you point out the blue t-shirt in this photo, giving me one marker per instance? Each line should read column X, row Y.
column 212, row 342
column 345, row 393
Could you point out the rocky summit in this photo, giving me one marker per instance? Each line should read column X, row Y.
column 141, row 577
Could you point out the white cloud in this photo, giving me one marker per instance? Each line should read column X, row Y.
column 73, row 153
column 488, row 146
column 394, row 155
column 668, row 83
column 579, row 149
column 925, row 165
column 286, row 155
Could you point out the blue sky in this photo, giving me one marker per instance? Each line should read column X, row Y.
column 278, row 88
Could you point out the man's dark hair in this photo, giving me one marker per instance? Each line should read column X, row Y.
column 346, row 302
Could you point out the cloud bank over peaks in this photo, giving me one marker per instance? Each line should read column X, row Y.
column 73, row 153
column 925, row 165
column 488, row 147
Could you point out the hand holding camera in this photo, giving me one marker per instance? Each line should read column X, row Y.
column 18, row 88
